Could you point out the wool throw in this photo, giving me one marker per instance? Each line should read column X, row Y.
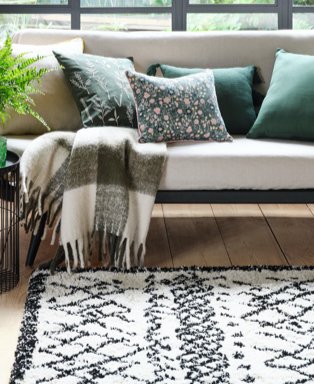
column 97, row 182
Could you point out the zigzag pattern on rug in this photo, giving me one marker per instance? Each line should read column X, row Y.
column 202, row 326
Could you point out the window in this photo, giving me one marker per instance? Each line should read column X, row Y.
column 233, row 15
column 303, row 14
column 12, row 22
column 126, row 22
column 157, row 15
column 125, row 3
column 231, row 21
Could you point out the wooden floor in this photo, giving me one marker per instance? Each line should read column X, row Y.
column 183, row 235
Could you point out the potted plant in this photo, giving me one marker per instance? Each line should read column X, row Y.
column 18, row 80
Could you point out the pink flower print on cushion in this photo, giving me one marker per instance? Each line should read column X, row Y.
column 157, row 111
column 188, row 105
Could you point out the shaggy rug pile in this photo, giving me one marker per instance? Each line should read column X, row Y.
column 190, row 325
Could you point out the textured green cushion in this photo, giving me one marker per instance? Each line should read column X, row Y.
column 179, row 109
column 100, row 89
column 234, row 93
column 288, row 109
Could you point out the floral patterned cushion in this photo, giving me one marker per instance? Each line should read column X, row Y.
column 178, row 109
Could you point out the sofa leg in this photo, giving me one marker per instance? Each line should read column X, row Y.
column 35, row 242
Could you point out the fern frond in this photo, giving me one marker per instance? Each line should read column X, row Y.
column 19, row 79
column 6, row 50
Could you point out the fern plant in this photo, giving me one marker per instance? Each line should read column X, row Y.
column 18, row 80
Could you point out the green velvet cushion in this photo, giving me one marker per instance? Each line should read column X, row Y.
column 234, row 93
column 100, row 89
column 288, row 110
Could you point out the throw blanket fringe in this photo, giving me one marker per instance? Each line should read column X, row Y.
column 42, row 170
column 96, row 183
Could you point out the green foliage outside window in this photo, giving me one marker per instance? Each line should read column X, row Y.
column 303, row 2
column 133, row 3
column 242, row 2
column 226, row 2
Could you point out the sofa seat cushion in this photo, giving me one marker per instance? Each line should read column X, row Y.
column 18, row 144
column 241, row 164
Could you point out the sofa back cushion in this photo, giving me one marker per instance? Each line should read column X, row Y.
column 186, row 49
column 56, row 105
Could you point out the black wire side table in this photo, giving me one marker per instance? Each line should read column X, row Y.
column 9, row 223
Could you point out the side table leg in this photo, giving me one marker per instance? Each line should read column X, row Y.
column 35, row 242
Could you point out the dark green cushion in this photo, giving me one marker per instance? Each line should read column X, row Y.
column 288, row 110
column 100, row 89
column 234, row 93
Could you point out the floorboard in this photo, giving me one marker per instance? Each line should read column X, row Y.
column 12, row 305
column 194, row 237
column 158, row 251
column 247, row 236
column 293, row 227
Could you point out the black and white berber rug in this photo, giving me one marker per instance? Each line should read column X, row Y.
column 240, row 325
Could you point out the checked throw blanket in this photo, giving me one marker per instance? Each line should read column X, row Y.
column 97, row 181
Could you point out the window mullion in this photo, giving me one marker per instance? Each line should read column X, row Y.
column 75, row 14
column 285, row 14
column 179, row 10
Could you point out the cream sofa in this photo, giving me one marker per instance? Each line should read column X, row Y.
column 245, row 170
